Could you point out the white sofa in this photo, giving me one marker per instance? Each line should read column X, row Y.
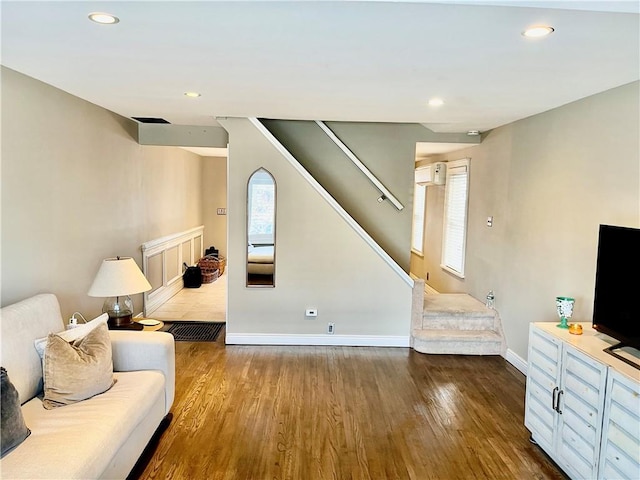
column 103, row 436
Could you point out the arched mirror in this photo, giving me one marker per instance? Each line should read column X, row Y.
column 261, row 229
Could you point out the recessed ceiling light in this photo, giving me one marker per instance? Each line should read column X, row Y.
column 435, row 102
column 538, row 31
column 103, row 18
column 191, row 94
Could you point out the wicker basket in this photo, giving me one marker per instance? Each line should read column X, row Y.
column 209, row 277
column 209, row 263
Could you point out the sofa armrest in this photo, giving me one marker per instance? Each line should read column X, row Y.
column 146, row 351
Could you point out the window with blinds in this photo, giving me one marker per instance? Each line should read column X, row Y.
column 417, row 229
column 455, row 217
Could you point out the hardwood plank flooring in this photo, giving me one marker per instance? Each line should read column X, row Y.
column 247, row 412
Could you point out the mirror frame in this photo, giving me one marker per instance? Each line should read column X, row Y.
column 275, row 210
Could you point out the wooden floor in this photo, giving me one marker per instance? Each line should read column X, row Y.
column 246, row 412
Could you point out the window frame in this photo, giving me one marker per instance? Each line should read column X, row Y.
column 422, row 220
column 259, row 180
column 454, row 168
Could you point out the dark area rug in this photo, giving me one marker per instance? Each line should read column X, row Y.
column 195, row 331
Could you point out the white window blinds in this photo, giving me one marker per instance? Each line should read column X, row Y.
column 417, row 230
column 455, row 217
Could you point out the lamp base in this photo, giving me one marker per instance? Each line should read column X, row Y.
column 120, row 311
column 123, row 323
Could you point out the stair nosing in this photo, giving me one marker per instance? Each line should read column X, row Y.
column 433, row 333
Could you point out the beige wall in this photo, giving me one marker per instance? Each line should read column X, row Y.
column 548, row 181
column 386, row 149
column 320, row 261
column 77, row 188
column 214, row 196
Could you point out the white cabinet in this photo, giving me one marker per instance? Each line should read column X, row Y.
column 565, row 403
column 620, row 454
column 581, row 404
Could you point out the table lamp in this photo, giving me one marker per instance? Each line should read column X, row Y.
column 116, row 279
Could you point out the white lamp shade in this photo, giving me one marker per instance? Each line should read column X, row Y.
column 118, row 276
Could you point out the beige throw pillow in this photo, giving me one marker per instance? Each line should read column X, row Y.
column 73, row 334
column 78, row 370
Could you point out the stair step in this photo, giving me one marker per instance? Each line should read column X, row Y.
column 461, row 335
column 455, row 305
column 457, row 342
column 449, row 311
column 458, row 323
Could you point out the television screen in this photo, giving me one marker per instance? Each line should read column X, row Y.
column 616, row 310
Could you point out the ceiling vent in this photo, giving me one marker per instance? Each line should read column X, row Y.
column 150, row 120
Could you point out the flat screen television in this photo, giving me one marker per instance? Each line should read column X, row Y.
column 616, row 306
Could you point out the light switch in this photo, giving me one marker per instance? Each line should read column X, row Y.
column 490, row 221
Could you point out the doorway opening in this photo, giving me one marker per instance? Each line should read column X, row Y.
column 207, row 303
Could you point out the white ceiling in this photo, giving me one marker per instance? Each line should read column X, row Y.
column 426, row 149
column 342, row 60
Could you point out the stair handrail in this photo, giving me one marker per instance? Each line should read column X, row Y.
column 386, row 194
column 332, row 201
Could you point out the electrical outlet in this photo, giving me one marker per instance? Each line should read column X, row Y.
column 311, row 312
column 331, row 327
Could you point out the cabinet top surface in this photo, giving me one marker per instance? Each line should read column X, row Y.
column 593, row 344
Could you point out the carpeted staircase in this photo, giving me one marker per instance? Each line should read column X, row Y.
column 454, row 324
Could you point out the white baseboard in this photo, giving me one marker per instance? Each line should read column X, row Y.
column 516, row 360
column 322, row 340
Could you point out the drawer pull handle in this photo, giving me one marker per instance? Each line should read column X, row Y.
column 558, row 404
